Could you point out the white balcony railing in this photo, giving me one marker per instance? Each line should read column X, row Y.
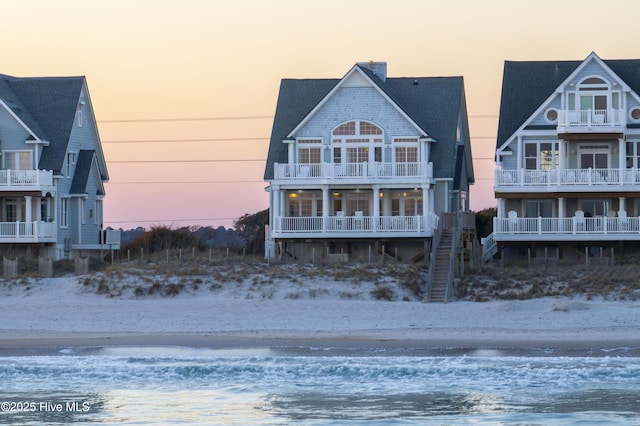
column 10, row 179
column 337, row 225
column 353, row 170
column 571, row 177
column 566, row 226
column 591, row 118
column 27, row 232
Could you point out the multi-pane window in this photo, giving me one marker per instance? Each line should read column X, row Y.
column 309, row 151
column 407, row 203
column 406, row 151
column 83, row 208
column 358, row 155
column 369, row 129
column 357, row 142
column 406, row 154
column 346, row 129
column 309, row 155
column 633, row 154
column 64, row 212
column 10, row 210
column 540, row 156
column 302, row 205
column 97, row 214
column 358, row 205
column 71, row 161
column 17, row 160
column 337, row 155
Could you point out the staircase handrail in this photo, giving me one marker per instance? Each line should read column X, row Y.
column 432, row 259
column 455, row 237
column 488, row 247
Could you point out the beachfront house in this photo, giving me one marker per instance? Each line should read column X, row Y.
column 567, row 180
column 366, row 165
column 52, row 170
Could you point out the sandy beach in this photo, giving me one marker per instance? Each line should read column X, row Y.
column 62, row 312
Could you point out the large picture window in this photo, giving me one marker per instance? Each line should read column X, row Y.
column 17, row 160
column 357, row 142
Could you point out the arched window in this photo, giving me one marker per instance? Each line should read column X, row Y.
column 594, row 94
column 357, row 141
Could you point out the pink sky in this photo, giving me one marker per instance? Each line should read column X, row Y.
column 154, row 60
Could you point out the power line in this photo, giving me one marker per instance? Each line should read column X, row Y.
column 215, row 140
column 185, row 140
column 156, row 220
column 157, row 120
column 183, row 161
column 186, row 182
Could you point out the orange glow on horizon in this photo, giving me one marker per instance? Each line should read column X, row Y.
column 165, row 59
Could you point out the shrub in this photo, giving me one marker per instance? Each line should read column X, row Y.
column 383, row 293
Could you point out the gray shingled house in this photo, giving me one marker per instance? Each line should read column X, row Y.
column 567, row 179
column 365, row 164
column 52, row 170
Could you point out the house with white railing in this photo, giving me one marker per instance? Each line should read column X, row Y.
column 366, row 164
column 568, row 157
column 52, row 170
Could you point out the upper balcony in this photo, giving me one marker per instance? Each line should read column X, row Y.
column 592, row 121
column 354, row 171
column 574, row 180
column 26, row 180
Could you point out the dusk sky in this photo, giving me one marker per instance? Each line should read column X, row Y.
column 195, row 82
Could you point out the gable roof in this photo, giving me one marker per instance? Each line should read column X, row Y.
column 47, row 105
column 84, row 164
column 527, row 84
column 434, row 104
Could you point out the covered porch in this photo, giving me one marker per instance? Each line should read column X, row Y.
column 352, row 212
column 27, row 218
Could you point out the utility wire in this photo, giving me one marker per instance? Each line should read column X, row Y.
column 215, row 140
column 158, row 120
column 183, row 161
column 222, row 118
column 186, row 182
column 169, row 220
column 185, row 140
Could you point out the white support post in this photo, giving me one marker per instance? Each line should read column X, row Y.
column 326, row 203
column 376, row 207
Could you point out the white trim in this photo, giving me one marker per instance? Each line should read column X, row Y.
column 24, row 126
column 340, row 83
column 561, row 88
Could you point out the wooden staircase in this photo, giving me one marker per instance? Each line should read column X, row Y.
column 440, row 273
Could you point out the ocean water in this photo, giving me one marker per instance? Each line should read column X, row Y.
column 318, row 386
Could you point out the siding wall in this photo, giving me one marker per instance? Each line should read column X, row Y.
column 13, row 135
column 85, row 137
column 357, row 103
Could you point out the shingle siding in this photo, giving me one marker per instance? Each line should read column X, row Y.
column 358, row 103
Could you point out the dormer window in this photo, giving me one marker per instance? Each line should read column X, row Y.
column 594, row 94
